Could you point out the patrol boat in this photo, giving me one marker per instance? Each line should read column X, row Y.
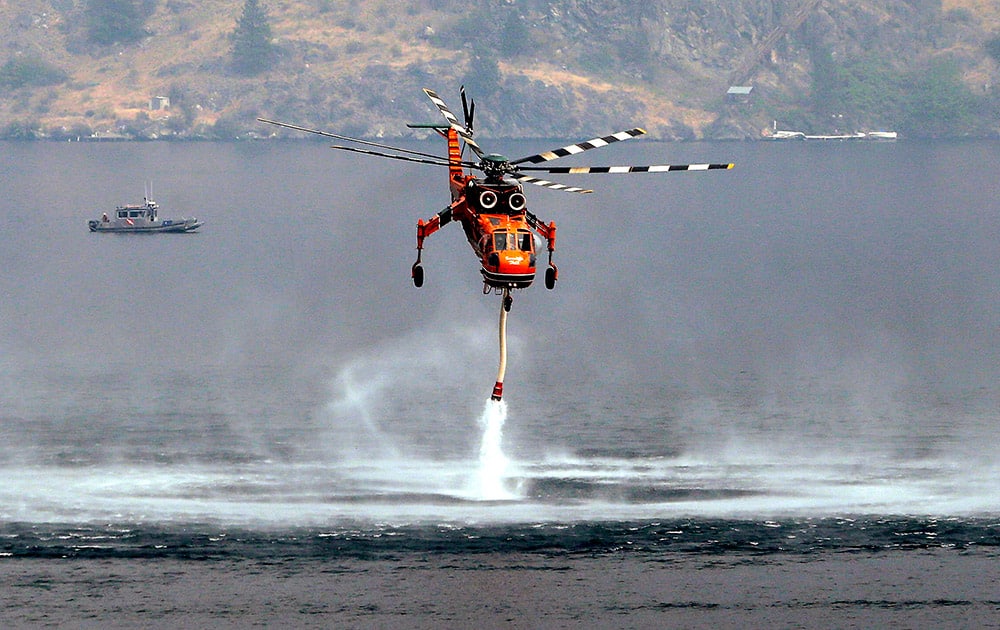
column 141, row 218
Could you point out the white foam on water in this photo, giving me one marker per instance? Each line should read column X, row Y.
column 471, row 490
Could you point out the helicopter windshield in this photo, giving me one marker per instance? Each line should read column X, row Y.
column 507, row 241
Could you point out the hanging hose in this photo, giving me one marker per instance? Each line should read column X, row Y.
column 504, row 307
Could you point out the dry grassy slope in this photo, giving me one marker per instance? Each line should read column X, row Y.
column 659, row 112
column 116, row 83
column 189, row 46
column 113, row 82
column 988, row 10
column 988, row 14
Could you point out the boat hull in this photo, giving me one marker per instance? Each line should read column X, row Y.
column 185, row 225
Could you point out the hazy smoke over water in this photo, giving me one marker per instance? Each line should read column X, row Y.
column 821, row 317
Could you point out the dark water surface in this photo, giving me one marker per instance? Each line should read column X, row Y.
column 785, row 373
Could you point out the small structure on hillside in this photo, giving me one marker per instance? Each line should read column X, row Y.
column 159, row 102
column 739, row 94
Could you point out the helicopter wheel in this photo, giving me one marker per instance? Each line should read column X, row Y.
column 418, row 276
column 550, row 278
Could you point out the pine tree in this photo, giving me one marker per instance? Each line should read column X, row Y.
column 252, row 49
column 110, row 21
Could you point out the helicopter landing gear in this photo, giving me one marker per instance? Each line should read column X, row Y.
column 551, row 275
column 417, row 270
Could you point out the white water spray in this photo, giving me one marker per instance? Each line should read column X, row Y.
column 492, row 462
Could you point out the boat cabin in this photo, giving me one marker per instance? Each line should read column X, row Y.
column 146, row 211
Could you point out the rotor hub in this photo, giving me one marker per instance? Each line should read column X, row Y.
column 495, row 166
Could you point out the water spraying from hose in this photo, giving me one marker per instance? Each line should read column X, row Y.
column 492, row 461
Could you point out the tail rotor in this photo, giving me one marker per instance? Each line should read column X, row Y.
column 469, row 108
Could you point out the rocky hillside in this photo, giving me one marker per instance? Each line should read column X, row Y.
column 554, row 68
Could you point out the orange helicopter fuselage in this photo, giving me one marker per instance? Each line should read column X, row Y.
column 497, row 224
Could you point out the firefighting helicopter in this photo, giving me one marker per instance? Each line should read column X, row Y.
column 493, row 209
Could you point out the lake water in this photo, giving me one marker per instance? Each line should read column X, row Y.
column 795, row 357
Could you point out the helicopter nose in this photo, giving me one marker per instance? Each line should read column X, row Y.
column 515, row 262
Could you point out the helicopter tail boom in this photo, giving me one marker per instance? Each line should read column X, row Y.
column 456, row 174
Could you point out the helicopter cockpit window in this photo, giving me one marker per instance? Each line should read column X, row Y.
column 507, row 241
column 524, row 240
column 500, row 241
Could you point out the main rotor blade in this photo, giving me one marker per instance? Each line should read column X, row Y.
column 580, row 147
column 347, row 138
column 656, row 168
column 465, row 133
column 527, row 179
column 438, row 161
